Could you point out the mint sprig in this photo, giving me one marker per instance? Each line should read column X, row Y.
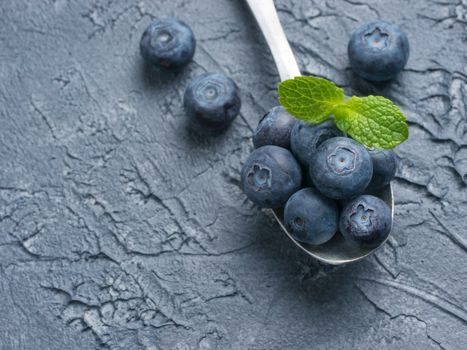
column 301, row 95
column 373, row 120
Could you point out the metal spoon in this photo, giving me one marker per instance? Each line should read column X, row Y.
column 336, row 251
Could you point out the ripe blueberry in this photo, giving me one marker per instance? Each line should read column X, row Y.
column 341, row 168
column 168, row 43
column 384, row 168
column 378, row 50
column 365, row 220
column 274, row 128
column 310, row 217
column 212, row 101
column 270, row 176
column 306, row 138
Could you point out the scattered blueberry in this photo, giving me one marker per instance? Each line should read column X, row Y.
column 212, row 101
column 341, row 168
column 168, row 43
column 378, row 50
column 274, row 128
column 310, row 217
column 384, row 168
column 306, row 138
column 366, row 221
column 270, row 176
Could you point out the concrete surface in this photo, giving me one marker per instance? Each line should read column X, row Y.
column 119, row 229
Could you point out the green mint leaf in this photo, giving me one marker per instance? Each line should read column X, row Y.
column 373, row 121
column 309, row 98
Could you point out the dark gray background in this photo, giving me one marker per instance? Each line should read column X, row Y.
column 119, row 229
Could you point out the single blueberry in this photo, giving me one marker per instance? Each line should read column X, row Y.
column 212, row 101
column 378, row 50
column 274, row 128
column 341, row 168
column 306, row 138
column 168, row 43
column 366, row 220
column 310, row 217
column 384, row 168
column 270, row 176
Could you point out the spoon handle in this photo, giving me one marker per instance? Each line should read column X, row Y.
column 268, row 21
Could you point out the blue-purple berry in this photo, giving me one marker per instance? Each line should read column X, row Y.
column 168, row 43
column 212, row 101
column 310, row 217
column 384, row 168
column 366, row 220
column 341, row 168
column 378, row 50
column 274, row 128
column 270, row 176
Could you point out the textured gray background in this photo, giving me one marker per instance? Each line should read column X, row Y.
column 119, row 229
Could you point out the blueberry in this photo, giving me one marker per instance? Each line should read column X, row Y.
column 212, row 101
column 384, row 168
column 306, row 138
column 168, row 43
column 274, row 128
column 366, row 221
column 341, row 168
column 378, row 50
column 270, row 176
column 310, row 217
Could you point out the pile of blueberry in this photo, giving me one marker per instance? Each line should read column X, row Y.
column 324, row 181
column 211, row 100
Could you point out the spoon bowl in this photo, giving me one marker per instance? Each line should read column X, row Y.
column 337, row 251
